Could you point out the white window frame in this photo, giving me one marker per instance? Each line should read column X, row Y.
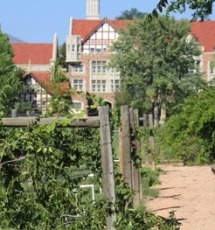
column 99, row 67
column 74, row 67
column 82, row 104
column 113, row 85
column 78, row 83
column 99, row 85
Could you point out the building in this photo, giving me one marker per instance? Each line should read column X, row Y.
column 37, row 61
column 88, row 53
column 205, row 34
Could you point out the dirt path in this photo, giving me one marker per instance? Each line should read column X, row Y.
column 190, row 192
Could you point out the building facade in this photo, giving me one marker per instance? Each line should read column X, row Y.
column 36, row 60
column 88, row 54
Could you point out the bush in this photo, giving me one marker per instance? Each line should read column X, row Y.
column 190, row 133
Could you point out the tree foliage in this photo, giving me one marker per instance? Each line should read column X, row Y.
column 39, row 183
column 154, row 60
column 62, row 56
column 202, row 9
column 189, row 134
column 10, row 76
column 133, row 13
column 57, row 73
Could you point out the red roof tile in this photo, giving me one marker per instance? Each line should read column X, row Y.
column 205, row 32
column 85, row 27
column 44, row 79
column 37, row 53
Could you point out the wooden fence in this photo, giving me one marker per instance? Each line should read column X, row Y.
column 128, row 145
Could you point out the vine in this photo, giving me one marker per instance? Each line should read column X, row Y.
column 39, row 182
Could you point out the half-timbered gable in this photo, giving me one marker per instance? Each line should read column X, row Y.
column 100, row 39
column 35, row 96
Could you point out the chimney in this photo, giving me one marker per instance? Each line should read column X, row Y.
column 70, row 26
column 55, row 48
column 93, row 10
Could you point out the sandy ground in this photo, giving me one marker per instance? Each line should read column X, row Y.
column 190, row 192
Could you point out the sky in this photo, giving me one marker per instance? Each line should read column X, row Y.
column 36, row 21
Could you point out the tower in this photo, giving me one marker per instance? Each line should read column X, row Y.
column 93, row 9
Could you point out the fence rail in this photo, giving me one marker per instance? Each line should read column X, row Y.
column 93, row 122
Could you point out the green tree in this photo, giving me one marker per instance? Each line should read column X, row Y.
column 155, row 61
column 10, row 76
column 57, row 73
column 189, row 134
column 62, row 56
column 131, row 14
column 201, row 8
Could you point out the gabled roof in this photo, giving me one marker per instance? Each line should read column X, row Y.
column 13, row 39
column 44, row 80
column 35, row 53
column 205, row 32
column 85, row 28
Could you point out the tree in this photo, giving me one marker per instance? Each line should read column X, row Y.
column 190, row 135
column 131, row 14
column 155, row 61
column 57, row 73
column 10, row 76
column 62, row 56
column 201, row 9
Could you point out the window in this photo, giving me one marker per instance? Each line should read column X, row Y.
column 211, row 70
column 98, row 51
column 115, row 85
column 98, row 85
column 28, row 81
column 78, row 84
column 68, row 48
column 38, row 105
column 78, row 68
column 73, row 48
column 113, row 70
column 44, row 103
column 77, row 104
column 99, row 67
column 92, row 50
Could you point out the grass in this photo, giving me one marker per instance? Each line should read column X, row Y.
column 150, row 178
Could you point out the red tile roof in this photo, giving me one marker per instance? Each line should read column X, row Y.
column 205, row 32
column 37, row 53
column 44, row 79
column 85, row 27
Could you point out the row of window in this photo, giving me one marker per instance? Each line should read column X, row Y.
column 98, row 85
column 74, row 48
column 97, row 67
column 93, row 50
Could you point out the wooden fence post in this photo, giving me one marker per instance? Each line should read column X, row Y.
column 156, row 115
column 151, row 142
column 135, row 172
column 138, row 149
column 120, row 152
column 107, row 162
column 145, row 153
column 126, row 145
